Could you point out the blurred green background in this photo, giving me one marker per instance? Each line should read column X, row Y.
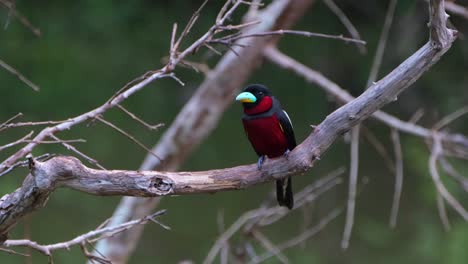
column 89, row 49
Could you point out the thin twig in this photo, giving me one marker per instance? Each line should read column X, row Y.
column 22, row 19
column 11, row 119
column 268, row 245
column 452, row 172
column 398, row 177
column 452, row 201
column 19, row 141
column 79, row 153
column 121, row 131
column 382, row 43
column 24, row 163
column 23, row 124
column 302, row 236
column 443, row 212
column 10, row 251
column 353, row 177
column 139, row 120
column 19, row 75
column 450, row 118
column 285, row 32
column 346, row 22
column 379, row 147
column 48, row 249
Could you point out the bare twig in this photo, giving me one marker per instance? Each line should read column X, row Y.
column 19, row 141
column 19, row 75
column 398, row 177
column 443, row 212
column 91, row 235
column 302, row 236
column 353, row 178
column 450, row 118
column 452, row 201
column 10, row 251
column 79, row 153
column 23, row 124
column 132, row 138
column 379, row 147
column 11, row 119
column 24, row 163
column 22, row 19
column 139, row 120
column 452, row 172
column 260, row 237
column 382, row 43
column 346, row 22
column 229, row 41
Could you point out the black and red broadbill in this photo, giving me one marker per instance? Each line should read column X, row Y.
column 270, row 132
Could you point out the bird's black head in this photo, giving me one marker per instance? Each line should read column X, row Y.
column 253, row 94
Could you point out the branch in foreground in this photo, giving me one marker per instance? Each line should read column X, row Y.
column 90, row 237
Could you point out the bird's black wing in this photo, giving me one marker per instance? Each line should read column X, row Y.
column 286, row 125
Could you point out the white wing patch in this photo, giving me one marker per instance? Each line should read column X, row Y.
column 288, row 118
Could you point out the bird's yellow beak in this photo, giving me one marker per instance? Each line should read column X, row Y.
column 246, row 97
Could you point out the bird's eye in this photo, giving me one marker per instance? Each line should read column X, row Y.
column 260, row 93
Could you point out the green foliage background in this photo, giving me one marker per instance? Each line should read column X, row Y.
column 89, row 49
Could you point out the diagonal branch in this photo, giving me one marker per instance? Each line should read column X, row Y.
column 341, row 95
column 92, row 236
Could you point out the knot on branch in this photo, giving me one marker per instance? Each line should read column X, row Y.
column 47, row 174
column 163, row 186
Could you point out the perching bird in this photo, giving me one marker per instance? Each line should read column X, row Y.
column 270, row 132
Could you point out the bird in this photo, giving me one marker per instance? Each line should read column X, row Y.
column 270, row 132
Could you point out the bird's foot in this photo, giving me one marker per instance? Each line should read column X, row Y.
column 260, row 161
column 286, row 153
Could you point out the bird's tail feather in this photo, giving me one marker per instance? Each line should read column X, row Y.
column 285, row 195
column 280, row 192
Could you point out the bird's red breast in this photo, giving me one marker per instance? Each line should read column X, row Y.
column 265, row 133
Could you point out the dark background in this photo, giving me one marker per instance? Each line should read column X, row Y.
column 89, row 49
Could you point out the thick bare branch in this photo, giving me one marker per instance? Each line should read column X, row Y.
column 449, row 140
column 456, row 9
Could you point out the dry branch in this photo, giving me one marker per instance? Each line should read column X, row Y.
column 450, row 140
column 89, row 237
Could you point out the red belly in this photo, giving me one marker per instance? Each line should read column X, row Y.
column 266, row 136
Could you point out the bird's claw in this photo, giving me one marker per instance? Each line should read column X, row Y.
column 286, row 153
column 260, row 161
